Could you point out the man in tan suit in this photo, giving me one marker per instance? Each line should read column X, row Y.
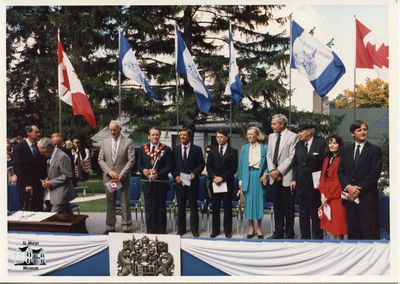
column 116, row 158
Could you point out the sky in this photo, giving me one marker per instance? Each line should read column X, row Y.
column 336, row 21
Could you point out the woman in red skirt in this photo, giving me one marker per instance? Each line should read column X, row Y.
column 331, row 190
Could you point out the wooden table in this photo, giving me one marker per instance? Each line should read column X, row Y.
column 52, row 224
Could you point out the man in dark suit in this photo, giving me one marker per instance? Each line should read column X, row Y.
column 154, row 163
column 30, row 168
column 59, row 178
column 222, row 164
column 359, row 170
column 188, row 159
column 280, row 154
column 309, row 156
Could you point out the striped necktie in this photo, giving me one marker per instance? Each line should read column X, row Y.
column 114, row 149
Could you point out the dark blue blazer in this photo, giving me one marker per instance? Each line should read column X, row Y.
column 163, row 167
column 224, row 166
column 194, row 164
column 365, row 173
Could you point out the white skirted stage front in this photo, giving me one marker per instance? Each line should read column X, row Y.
column 52, row 254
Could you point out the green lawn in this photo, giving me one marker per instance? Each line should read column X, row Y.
column 93, row 206
column 96, row 184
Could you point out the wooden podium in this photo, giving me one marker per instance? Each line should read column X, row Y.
column 77, row 224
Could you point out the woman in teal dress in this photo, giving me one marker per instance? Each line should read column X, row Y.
column 253, row 175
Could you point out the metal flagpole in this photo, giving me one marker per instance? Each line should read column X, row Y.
column 177, row 82
column 59, row 98
column 290, row 74
column 354, row 84
column 119, row 76
column 230, row 100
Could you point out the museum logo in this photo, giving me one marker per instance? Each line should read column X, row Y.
column 30, row 256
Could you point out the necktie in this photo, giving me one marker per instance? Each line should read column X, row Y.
column 34, row 150
column 114, row 150
column 221, row 150
column 357, row 155
column 153, row 148
column 184, row 153
column 276, row 151
column 305, row 150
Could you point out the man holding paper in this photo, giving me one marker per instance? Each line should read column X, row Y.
column 154, row 163
column 309, row 156
column 188, row 165
column 359, row 171
column 222, row 164
column 116, row 158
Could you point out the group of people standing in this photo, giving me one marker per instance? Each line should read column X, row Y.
column 45, row 171
column 335, row 186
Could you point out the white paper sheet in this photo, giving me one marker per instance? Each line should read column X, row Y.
column 185, row 178
column 220, row 188
column 327, row 211
column 315, row 177
column 29, row 216
column 113, row 185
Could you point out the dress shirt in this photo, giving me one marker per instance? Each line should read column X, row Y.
column 224, row 147
column 361, row 147
column 309, row 143
column 187, row 150
column 254, row 155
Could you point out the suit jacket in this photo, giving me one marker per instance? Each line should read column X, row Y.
column 123, row 163
column 29, row 169
column 305, row 165
column 243, row 174
column 224, row 166
column 285, row 155
column 365, row 173
column 194, row 163
column 163, row 167
column 60, row 175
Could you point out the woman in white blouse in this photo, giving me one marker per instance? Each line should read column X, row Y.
column 253, row 175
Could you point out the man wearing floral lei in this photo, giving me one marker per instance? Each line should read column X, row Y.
column 154, row 164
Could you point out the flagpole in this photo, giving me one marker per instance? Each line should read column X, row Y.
column 354, row 84
column 59, row 98
column 119, row 77
column 177, row 82
column 290, row 73
column 230, row 98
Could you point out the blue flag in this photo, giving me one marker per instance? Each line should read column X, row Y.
column 234, row 86
column 129, row 66
column 316, row 61
column 185, row 65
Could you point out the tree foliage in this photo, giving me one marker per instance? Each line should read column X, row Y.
column 90, row 38
column 375, row 93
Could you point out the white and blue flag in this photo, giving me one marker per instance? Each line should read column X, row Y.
column 185, row 65
column 129, row 66
column 316, row 61
column 234, row 86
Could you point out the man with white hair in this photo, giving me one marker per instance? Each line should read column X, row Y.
column 116, row 158
column 280, row 154
column 59, row 177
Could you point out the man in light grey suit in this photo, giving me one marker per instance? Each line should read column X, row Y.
column 116, row 158
column 280, row 154
column 59, row 177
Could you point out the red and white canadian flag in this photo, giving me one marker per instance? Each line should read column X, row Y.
column 70, row 87
column 371, row 51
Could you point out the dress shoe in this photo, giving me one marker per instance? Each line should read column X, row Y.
column 250, row 236
column 228, row 235
column 275, row 236
column 108, row 231
column 127, row 231
column 195, row 234
column 260, row 237
column 213, row 235
column 180, row 233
